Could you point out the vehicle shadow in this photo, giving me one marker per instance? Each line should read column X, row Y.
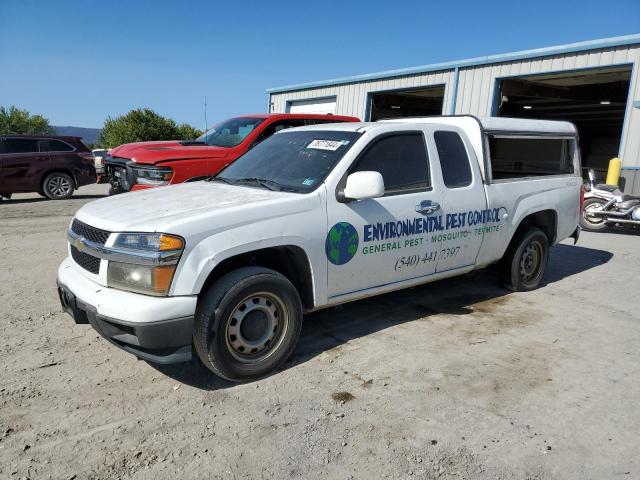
column 329, row 329
column 17, row 201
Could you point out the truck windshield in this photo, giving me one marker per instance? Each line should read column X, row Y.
column 290, row 161
column 230, row 133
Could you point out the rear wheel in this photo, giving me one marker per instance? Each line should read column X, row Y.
column 589, row 221
column 247, row 324
column 525, row 262
column 58, row 186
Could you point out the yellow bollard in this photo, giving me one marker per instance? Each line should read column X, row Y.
column 613, row 174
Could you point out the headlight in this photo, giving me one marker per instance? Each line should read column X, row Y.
column 153, row 176
column 146, row 262
column 155, row 242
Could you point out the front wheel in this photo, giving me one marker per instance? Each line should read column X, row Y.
column 247, row 324
column 58, row 186
column 525, row 262
column 589, row 221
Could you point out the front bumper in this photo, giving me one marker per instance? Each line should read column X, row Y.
column 156, row 329
column 119, row 173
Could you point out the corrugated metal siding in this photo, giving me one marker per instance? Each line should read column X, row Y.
column 351, row 98
column 476, row 88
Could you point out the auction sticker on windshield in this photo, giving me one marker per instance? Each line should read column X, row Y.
column 332, row 145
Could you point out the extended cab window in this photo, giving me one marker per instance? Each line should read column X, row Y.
column 454, row 161
column 518, row 157
column 402, row 161
column 55, row 146
column 290, row 161
column 20, row 145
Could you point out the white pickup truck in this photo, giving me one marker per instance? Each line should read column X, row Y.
column 314, row 217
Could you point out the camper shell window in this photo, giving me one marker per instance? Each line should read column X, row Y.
column 521, row 157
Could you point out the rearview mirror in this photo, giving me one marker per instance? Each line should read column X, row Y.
column 364, row 185
column 592, row 175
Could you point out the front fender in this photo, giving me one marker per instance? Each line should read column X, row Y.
column 298, row 230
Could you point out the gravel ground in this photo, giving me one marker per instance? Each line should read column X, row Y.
column 453, row 380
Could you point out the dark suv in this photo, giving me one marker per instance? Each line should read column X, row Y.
column 52, row 166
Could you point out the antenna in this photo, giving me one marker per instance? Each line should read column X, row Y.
column 205, row 113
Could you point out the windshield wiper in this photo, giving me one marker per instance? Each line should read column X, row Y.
column 270, row 184
column 262, row 182
column 221, row 179
column 265, row 182
column 189, row 143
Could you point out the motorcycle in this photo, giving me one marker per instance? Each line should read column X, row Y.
column 606, row 205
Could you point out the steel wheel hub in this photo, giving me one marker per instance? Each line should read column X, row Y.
column 59, row 186
column 255, row 327
column 531, row 260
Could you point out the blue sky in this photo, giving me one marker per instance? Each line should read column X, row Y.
column 77, row 62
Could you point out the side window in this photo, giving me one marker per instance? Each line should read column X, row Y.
column 401, row 160
column 50, row 145
column 20, row 145
column 454, row 161
column 513, row 157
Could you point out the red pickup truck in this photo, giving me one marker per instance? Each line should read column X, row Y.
column 135, row 166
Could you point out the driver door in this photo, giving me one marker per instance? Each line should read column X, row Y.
column 380, row 241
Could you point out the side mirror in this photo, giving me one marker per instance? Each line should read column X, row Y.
column 592, row 175
column 364, row 185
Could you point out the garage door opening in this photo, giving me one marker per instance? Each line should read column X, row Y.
column 406, row 103
column 594, row 100
column 321, row 106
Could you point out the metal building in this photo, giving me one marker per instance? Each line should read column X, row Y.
column 594, row 84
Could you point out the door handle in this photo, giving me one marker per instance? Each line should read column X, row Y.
column 427, row 207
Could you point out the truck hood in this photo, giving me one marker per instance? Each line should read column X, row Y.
column 150, row 153
column 180, row 208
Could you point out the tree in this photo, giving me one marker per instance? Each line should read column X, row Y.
column 16, row 121
column 187, row 132
column 140, row 125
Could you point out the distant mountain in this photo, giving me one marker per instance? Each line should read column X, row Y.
column 88, row 135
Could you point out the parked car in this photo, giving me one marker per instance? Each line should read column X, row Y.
column 314, row 217
column 52, row 166
column 135, row 166
column 99, row 157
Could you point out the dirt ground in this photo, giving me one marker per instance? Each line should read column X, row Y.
column 454, row 380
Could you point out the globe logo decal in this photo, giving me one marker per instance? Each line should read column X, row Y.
column 342, row 243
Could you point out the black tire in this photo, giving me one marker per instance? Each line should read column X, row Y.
column 58, row 186
column 115, row 191
column 525, row 262
column 239, row 352
column 592, row 224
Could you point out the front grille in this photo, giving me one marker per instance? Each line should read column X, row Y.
column 90, row 233
column 86, row 261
